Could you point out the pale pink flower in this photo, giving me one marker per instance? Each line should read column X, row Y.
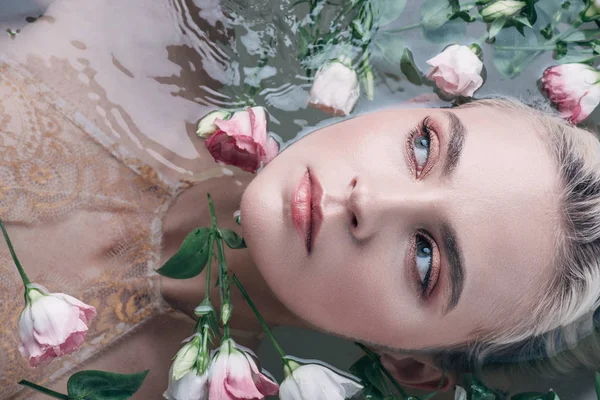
column 316, row 382
column 573, row 88
column 242, row 140
column 234, row 375
column 52, row 325
column 456, row 71
column 335, row 89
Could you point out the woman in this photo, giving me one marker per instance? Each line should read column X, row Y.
column 437, row 228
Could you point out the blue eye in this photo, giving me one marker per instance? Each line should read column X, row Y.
column 421, row 144
column 424, row 259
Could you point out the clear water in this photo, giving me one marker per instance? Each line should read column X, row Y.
column 156, row 66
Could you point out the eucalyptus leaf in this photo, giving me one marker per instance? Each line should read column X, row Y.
column 100, row 385
column 191, row 258
column 387, row 11
column 496, row 27
column 233, row 240
column 409, row 68
column 435, row 13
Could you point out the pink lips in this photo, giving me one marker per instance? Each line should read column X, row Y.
column 307, row 214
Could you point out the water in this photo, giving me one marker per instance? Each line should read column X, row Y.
column 140, row 69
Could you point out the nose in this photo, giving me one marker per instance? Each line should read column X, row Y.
column 374, row 205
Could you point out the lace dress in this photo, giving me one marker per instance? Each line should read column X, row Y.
column 85, row 216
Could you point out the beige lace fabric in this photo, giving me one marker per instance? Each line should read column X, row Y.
column 64, row 184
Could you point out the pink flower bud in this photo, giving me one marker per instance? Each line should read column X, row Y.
column 456, row 71
column 242, row 140
column 573, row 88
column 234, row 375
column 335, row 89
column 52, row 325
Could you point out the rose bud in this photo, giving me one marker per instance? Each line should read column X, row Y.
column 573, row 88
column 456, row 71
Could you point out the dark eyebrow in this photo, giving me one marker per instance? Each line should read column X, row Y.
column 455, row 145
column 455, row 262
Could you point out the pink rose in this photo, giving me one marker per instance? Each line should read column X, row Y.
column 456, row 71
column 573, row 88
column 233, row 375
column 242, row 141
column 335, row 89
column 52, row 325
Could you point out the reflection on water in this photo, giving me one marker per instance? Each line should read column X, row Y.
column 146, row 71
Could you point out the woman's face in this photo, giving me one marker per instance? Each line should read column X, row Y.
column 410, row 228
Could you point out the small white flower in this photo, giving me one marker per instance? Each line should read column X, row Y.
column 460, row 393
column 335, row 89
column 191, row 386
column 316, row 382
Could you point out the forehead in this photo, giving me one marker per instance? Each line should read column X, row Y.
column 505, row 207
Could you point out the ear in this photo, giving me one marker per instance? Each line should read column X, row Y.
column 418, row 372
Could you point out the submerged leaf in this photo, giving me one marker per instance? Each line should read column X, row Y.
column 387, row 11
column 410, row 69
column 435, row 13
column 100, row 385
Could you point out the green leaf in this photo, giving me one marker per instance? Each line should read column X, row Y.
column 528, row 396
column 464, row 15
column 597, row 384
column 435, row 13
column 387, row 11
column 521, row 19
column 531, row 13
column 191, row 258
column 551, row 395
column 496, row 27
column 233, row 240
column 359, row 369
column 100, row 385
column 585, row 57
column 511, row 62
column 409, row 68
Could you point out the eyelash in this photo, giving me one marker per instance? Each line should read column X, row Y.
column 427, row 128
column 427, row 285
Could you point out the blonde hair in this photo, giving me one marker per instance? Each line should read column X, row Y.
column 563, row 317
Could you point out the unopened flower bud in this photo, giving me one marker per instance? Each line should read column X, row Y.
column 226, row 311
column 500, row 9
column 186, row 358
column 204, row 308
column 237, row 216
column 206, row 126
column 591, row 11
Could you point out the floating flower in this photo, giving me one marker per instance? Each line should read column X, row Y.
column 335, row 89
column 573, row 88
column 52, row 325
column 234, row 375
column 191, row 386
column 315, row 382
column 501, row 9
column 242, row 140
column 456, row 71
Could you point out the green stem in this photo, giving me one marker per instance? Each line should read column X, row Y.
column 24, row 277
column 210, row 255
column 225, row 297
column 261, row 320
column 44, row 390
column 405, row 28
column 525, row 48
